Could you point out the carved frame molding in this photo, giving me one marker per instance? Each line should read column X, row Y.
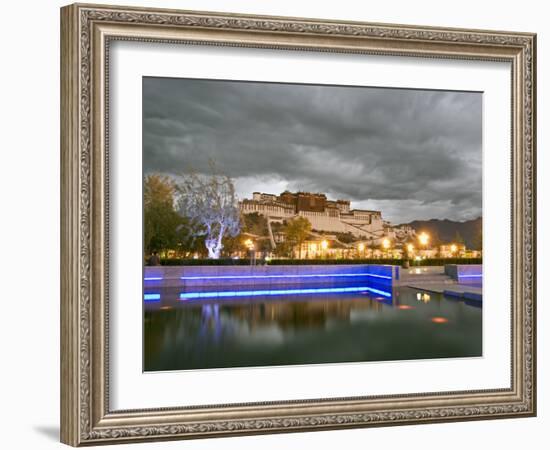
column 86, row 32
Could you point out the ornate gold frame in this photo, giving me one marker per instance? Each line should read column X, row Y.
column 86, row 31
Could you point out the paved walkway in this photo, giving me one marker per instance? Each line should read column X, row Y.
column 424, row 275
column 452, row 290
column 423, row 270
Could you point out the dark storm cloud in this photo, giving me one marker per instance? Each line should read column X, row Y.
column 391, row 148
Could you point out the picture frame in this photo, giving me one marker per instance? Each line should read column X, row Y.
column 87, row 32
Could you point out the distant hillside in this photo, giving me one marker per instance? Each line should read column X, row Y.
column 446, row 230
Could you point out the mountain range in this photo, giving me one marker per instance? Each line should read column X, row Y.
column 444, row 231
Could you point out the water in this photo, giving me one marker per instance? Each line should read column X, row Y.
column 270, row 330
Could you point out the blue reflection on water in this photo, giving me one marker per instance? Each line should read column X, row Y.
column 269, row 292
column 319, row 325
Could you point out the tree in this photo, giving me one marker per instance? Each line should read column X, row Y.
column 210, row 204
column 162, row 224
column 255, row 223
column 347, row 238
column 251, row 224
column 297, row 230
column 283, row 249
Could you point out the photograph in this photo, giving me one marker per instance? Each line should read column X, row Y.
column 294, row 224
column 279, row 221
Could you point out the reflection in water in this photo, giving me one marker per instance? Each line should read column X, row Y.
column 405, row 307
column 423, row 297
column 305, row 329
column 439, row 320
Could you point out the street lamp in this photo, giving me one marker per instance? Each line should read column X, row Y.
column 454, row 248
column 424, row 238
column 386, row 245
column 324, row 246
column 249, row 243
column 408, row 255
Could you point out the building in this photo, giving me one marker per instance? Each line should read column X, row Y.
column 452, row 251
column 327, row 216
column 326, row 246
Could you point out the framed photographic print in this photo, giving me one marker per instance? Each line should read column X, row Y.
column 275, row 224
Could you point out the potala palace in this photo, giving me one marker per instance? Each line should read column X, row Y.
column 328, row 216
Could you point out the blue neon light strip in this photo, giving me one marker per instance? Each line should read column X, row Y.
column 151, row 297
column 477, row 275
column 379, row 292
column 230, row 277
column 220, row 294
column 152, row 278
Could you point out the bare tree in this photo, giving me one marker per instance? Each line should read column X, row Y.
column 210, row 203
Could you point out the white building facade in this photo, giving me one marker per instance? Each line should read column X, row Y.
column 325, row 215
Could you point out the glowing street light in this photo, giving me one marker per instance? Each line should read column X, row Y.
column 249, row 243
column 361, row 247
column 324, row 244
column 454, row 248
column 410, row 248
column 386, row 244
column 424, row 238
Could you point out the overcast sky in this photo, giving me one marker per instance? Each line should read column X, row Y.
column 412, row 154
